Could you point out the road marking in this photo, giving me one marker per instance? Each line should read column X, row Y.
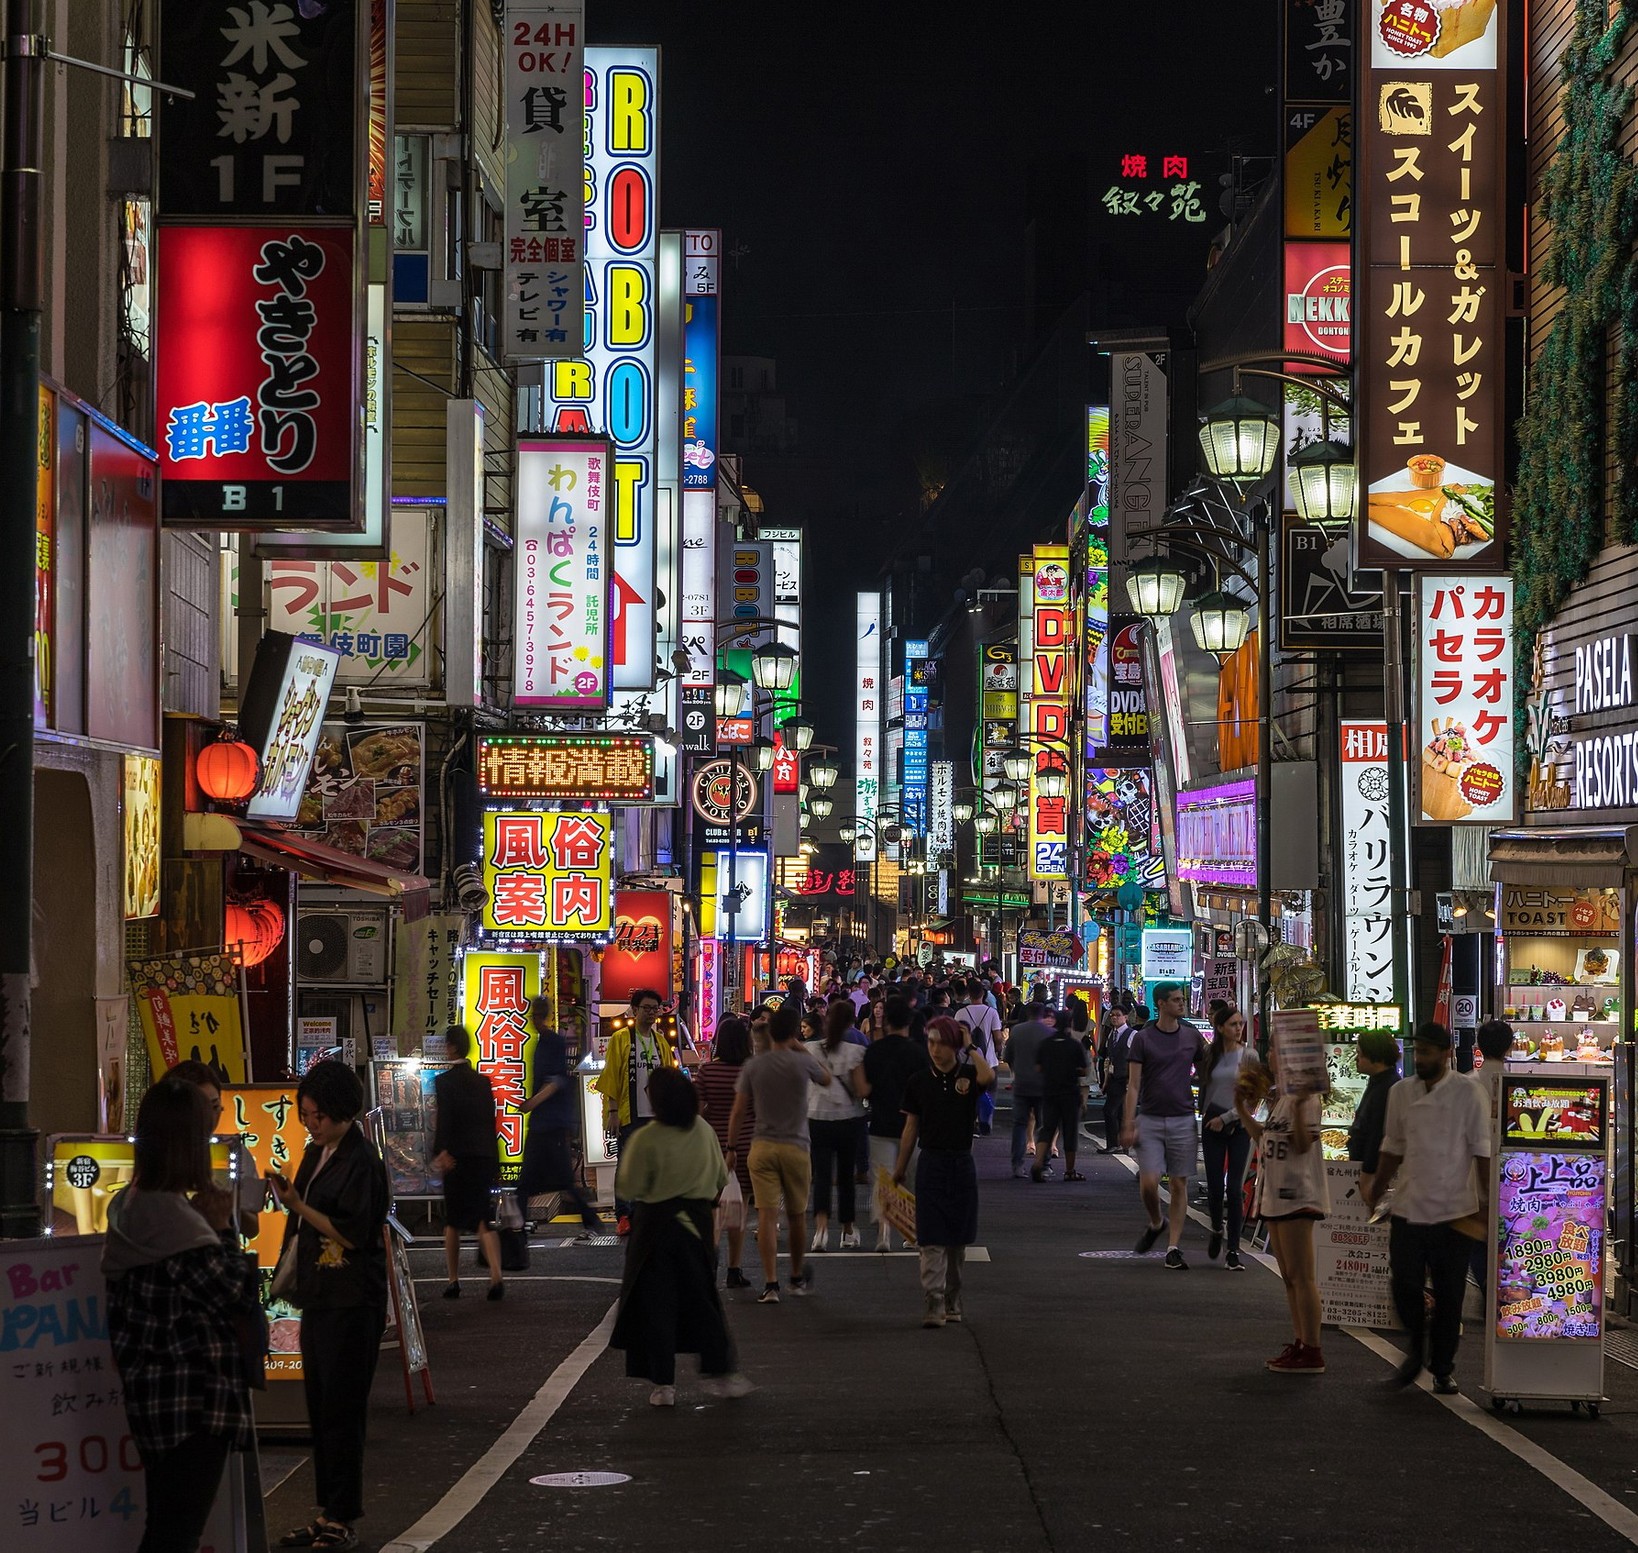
column 1583, row 1490
column 536, row 1278
column 492, row 1466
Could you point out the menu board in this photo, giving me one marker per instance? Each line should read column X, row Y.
column 402, row 1090
column 1351, row 1256
column 1550, row 1245
column 1299, row 1054
column 1570, row 1114
column 364, row 793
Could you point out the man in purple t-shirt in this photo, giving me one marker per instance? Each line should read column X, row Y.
column 1160, row 1116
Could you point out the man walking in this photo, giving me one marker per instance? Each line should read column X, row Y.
column 1114, row 1054
column 1062, row 1064
column 985, row 1024
column 889, row 1061
column 635, row 1050
column 775, row 1084
column 548, row 1165
column 1438, row 1132
column 1160, row 1116
column 1023, row 1046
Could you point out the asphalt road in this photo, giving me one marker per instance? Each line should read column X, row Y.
column 1086, row 1402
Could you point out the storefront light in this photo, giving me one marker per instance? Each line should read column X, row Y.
column 1324, row 483
column 1240, row 440
column 1221, row 624
column 1155, row 588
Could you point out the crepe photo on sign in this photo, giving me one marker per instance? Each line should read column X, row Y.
column 1433, row 510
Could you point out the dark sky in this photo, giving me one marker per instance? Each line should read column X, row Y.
column 876, row 167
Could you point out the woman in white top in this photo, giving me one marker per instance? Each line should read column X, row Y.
column 835, row 1115
column 1291, row 1195
column 1223, row 1138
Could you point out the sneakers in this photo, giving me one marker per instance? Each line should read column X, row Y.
column 1281, row 1357
column 1214, row 1242
column 1174, row 1260
column 1298, row 1359
column 884, row 1240
column 769, row 1294
column 1446, row 1386
column 1233, row 1263
column 933, row 1314
column 663, row 1396
column 1020, row 1173
column 1037, row 1176
column 1146, row 1241
column 821, row 1240
column 952, row 1309
column 1048, row 1173
column 849, row 1240
column 802, row 1282
column 729, row 1387
column 737, row 1279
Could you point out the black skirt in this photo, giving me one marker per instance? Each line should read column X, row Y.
column 467, row 1188
column 946, row 1198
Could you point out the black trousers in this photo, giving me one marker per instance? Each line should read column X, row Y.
column 1228, row 1152
column 621, row 1206
column 835, row 1149
column 548, row 1166
column 182, row 1484
column 1114, row 1111
column 339, row 1349
column 1435, row 1254
column 1060, row 1117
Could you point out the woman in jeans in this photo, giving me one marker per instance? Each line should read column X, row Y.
column 835, row 1117
column 338, row 1209
column 179, row 1295
column 1223, row 1137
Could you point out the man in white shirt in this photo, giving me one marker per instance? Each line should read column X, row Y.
column 1438, row 1130
column 985, row 1025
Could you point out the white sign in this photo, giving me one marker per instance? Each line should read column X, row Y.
column 941, row 804
column 1299, row 1053
column 1351, row 1256
column 1168, row 955
column 1367, row 877
column 293, row 733
column 867, row 768
column 1464, row 733
column 562, row 576
column 543, row 268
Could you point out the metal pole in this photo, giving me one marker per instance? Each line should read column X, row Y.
column 1265, row 756
column 21, row 268
column 1396, row 713
column 730, row 900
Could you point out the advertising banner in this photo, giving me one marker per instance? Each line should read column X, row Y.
column 867, row 725
column 281, row 716
column 1351, row 1256
column 1551, row 1214
column 426, row 985
column 913, row 783
column 1046, row 712
column 1324, row 607
column 139, row 823
column 1568, row 1114
column 610, row 391
column 612, row 767
column 1217, row 835
column 543, row 269
column 561, row 610
column 1319, row 50
column 1367, row 874
column 1430, row 435
column 495, row 995
column 121, row 598
column 1318, row 299
column 1122, row 844
column 701, row 353
column 188, row 1006
column 749, row 893
column 1128, row 725
column 1137, row 456
column 403, row 1093
column 365, row 793
column 640, row 953
column 1319, row 166
column 1167, row 955
column 549, row 876
column 257, row 376
column 1468, row 685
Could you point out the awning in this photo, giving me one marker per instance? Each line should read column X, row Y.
column 1564, row 859
column 313, row 860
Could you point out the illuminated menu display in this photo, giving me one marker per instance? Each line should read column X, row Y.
column 1550, row 1245
column 1568, row 1114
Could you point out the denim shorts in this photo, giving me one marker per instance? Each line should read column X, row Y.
column 1167, row 1145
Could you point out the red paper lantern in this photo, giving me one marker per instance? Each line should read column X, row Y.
column 254, row 928
column 226, row 771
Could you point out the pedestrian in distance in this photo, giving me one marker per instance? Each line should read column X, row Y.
column 714, row 1083
column 1438, row 1134
column 889, row 1062
column 940, row 1106
column 759, row 1028
column 774, row 1086
column 180, row 1294
column 465, row 1153
column 1225, row 1140
column 1061, row 1063
column 338, row 1211
column 251, row 1193
column 1291, row 1199
column 1376, row 1055
column 636, row 1049
column 552, row 1109
column 975, row 1012
column 1023, row 1043
column 1494, row 1041
column 1160, row 1116
column 1114, row 1058
column 673, row 1175
column 836, row 1116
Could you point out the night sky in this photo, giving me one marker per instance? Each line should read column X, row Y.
column 875, row 169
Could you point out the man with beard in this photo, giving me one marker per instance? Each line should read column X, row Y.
column 1438, row 1133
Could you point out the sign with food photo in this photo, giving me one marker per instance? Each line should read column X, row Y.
column 364, row 793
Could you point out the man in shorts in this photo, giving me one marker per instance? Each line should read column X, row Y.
column 775, row 1085
column 1160, row 1116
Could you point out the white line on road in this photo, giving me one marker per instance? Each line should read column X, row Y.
column 537, row 1278
column 495, row 1462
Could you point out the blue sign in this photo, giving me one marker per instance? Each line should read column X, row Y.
column 699, row 430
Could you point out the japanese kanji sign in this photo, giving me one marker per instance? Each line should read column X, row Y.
column 282, row 700
column 1323, row 607
column 701, row 348
column 1319, row 50
column 1155, row 186
column 563, row 568
column 188, row 1007
column 1319, row 172
column 609, row 391
column 495, row 994
column 1467, row 678
column 257, row 375
column 1052, row 640
column 1367, row 875
column 613, row 767
column 1429, row 329
column 640, row 955
column 549, row 876
column 1318, row 299
column 544, row 268
column 867, row 767
column 277, row 122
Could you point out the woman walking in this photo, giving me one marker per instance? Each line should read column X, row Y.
column 714, row 1083
column 672, row 1174
column 178, row 1292
column 1291, row 1197
column 1223, row 1137
column 338, row 1210
column 835, row 1118
column 940, row 1108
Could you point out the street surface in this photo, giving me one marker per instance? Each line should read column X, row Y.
column 1086, row 1402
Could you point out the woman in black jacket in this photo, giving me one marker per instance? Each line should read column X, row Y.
column 338, row 1210
column 1377, row 1054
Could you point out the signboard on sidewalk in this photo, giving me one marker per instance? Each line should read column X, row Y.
column 1351, row 1256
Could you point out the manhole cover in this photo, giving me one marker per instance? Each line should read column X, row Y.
column 580, row 1479
column 1116, row 1256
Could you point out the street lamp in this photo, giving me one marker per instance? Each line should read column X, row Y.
column 1221, row 624
column 798, row 731
column 1155, row 587
column 823, row 773
column 985, row 823
column 763, row 751
column 730, row 693
column 773, row 667
column 1240, row 440
column 1052, row 781
column 820, row 805
column 961, row 811
column 1016, row 763
column 1005, row 794
column 1324, row 483
column 848, row 833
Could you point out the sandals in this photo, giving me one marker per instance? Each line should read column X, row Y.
column 1074, row 1175
column 320, row 1534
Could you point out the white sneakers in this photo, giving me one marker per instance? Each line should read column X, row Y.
column 849, row 1240
column 933, row 1315
column 663, row 1396
column 821, row 1240
column 884, row 1241
column 729, row 1387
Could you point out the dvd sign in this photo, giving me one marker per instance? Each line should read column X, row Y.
column 640, row 955
column 1128, row 700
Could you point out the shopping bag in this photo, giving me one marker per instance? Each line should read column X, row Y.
column 733, row 1204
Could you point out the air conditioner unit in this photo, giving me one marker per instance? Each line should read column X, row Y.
column 342, row 948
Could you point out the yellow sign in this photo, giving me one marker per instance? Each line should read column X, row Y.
column 1353, row 1017
column 140, row 818
column 550, row 877
column 1319, row 172
column 189, row 1008
column 85, row 1172
column 496, row 992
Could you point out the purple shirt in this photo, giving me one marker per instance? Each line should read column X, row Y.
column 1169, row 1060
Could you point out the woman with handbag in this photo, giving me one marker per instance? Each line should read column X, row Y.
column 1223, row 1137
column 186, row 1326
column 338, row 1264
